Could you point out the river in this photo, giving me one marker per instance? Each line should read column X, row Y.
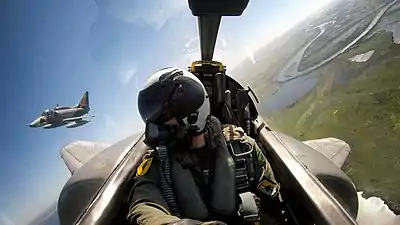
column 290, row 70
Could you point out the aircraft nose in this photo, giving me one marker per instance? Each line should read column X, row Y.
column 35, row 123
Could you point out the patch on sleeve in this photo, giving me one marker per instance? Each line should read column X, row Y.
column 268, row 187
column 233, row 133
column 144, row 165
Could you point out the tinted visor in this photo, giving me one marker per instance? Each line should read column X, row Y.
column 165, row 100
column 153, row 101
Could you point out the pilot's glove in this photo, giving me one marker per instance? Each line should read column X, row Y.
column 195, row 222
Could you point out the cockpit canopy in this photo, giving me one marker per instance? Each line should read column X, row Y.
column 47, row 113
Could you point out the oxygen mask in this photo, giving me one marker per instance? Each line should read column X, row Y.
column 162, row 135
column 169, row 135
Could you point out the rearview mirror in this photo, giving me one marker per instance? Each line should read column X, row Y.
column 218, row 7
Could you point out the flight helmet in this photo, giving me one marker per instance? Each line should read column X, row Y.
column 175, row 93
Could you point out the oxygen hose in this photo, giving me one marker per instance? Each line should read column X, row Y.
column 246, row 116
column 165, row 173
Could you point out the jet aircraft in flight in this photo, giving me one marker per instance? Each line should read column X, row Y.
column 72, row 116
column 314, row 188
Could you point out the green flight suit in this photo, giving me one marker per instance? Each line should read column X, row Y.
column 147, row 204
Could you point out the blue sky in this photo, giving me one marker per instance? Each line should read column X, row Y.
column 53, row 51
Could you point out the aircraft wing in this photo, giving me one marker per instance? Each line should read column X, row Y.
column 77, row 153
column 334, row 149
column 75, row 118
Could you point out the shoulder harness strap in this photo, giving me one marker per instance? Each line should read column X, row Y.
column 242, row 152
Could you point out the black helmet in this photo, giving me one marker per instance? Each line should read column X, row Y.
column 175, row 93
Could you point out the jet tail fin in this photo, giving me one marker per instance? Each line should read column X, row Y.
column 84, row 102
column 78, row 153
column 334, row 149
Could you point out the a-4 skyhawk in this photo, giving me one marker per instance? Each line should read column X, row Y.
column 72, row 116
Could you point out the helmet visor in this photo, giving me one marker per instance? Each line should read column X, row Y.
column 165, row 100
column 153, row 103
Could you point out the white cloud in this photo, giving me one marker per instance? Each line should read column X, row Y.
column 374, row 211
column 154, row 13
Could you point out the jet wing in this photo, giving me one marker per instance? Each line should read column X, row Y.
column 77, row 153
column 334, row 149
column 75, row 118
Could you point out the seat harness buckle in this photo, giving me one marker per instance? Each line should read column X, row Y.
column 248, row 210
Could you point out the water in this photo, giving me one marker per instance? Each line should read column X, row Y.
column 283, row 77
column 391, row 22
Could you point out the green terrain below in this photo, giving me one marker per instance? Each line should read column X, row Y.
column 364, row 111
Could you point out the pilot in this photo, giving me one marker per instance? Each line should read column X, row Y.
column 189, row 175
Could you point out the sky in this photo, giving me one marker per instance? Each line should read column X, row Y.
column 52, row 51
